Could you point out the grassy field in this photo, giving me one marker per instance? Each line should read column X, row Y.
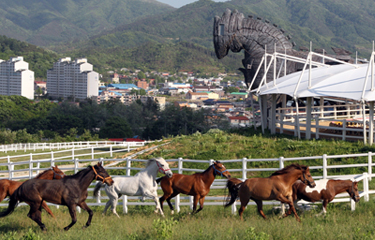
column 212, row 223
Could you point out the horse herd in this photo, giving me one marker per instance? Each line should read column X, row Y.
column 287, row 185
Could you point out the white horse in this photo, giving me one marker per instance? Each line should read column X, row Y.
column 141, row 184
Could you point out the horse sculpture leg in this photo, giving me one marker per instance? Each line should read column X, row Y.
column 84, row 206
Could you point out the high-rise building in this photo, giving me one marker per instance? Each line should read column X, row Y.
column 72, row 79
column 16, row 78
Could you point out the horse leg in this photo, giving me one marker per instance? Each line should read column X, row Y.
column 154, row 196
column 324, row 206
column 260, row 208
column 113, row 199
column 169, row 202
column 72, row 211
column 84, row 206
column 244, row 202
column 45, row 206
column 195, row 203
column 201, row 202
column 36, row 215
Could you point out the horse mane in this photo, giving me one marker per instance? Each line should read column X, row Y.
column 42, row 173
column 289, row 168
column 209, row 167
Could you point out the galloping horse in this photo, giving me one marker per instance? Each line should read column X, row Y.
column 70, row 191
column 278, row 186
column 325, row 190
column 197, row 185
column 7, row 187
column 141, row 184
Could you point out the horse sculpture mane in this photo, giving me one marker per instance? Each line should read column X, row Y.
column 289, row 168
column 234, row 32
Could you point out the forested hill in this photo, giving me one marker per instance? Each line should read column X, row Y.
column 39, row 59
column 47, row 22
column 327, row 23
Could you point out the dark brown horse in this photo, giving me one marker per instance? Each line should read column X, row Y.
column 278, row 186
column 325, row 190
column 197, row 185
column 70, row 191
column 7, row 187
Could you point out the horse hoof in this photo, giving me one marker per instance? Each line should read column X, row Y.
column 172, row 212
column 66, row 228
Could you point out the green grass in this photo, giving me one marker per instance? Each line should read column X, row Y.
column 212, row 222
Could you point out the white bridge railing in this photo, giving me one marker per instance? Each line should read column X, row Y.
column 322, row 170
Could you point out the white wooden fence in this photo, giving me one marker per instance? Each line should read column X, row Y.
column 64, row 145
column 33, row 167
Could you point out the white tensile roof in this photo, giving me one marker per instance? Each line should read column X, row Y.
column 343, row 81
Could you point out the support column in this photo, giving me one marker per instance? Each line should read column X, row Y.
column 308, row 118
column 371, row 123
column 273, row 114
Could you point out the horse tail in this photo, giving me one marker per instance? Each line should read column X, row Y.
column 97, row 188
column 13, row 202
column 233, row 186
column 158, row 180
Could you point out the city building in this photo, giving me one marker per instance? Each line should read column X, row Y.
column 72, row 79
column 16, row 78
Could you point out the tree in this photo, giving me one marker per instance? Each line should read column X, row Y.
column 116, row 127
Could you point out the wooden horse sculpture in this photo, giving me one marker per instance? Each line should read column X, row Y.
column 325, row 191
column 278, row 186
column 197, row 185
column 70, row 191
column 7, row 187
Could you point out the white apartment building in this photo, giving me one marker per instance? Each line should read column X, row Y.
column 72, row 79
column 16, row 78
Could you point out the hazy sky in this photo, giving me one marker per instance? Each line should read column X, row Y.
column 180, row 3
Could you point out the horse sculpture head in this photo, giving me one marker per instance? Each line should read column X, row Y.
column 163, row 166
column 353, row 192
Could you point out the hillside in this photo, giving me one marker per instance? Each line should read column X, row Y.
column 39, row 59
column 326, row 23
column 46, row 23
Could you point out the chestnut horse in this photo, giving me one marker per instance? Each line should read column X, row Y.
column 7, row 187
column 278, row 186
column 70, row 191
column 197, row 185
column 325, row 190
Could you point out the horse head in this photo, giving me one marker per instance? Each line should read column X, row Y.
column 353, row 192
column 219, row 169
column 306, row 177
column 101, row 174
column 163, row 166
column 57, row 173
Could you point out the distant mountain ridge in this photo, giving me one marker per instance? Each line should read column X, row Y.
column 51, row 22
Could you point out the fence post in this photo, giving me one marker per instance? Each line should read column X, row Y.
column 92, row 153
column 178, row 199
column 10, row 169
column 31, row 166
column 128, row 165
column 52, row 159
column 324, row 166
column 366, row 187
column 369, row 166
column 73, row 152
column 75, row 165
column 110, row 151
column 124, row 204
column 281, row 162
column 244, row 169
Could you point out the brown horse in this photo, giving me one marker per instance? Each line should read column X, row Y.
column 197, row 185
column 276, row 187
column 325, row 190
column 7, row 187
column 70, row 191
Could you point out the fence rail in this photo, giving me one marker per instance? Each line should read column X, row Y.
column 34, row 168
